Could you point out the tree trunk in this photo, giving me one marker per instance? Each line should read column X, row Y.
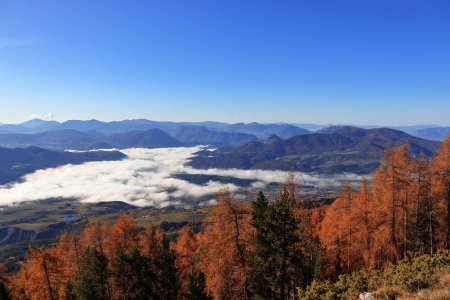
column 47, row 278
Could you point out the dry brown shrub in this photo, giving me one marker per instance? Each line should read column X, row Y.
column 389, row 293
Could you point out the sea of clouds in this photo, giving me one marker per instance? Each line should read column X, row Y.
column 145, row 178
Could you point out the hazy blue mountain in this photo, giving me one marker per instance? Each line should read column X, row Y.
column 11, row 128
column 119, row 126
column 193, row 135
column 346, row 149
column 309, row 126
column 57, row 140
column 207, row 124
column 411, row 129
column 31, row 126
column 38, row 124
column 434, row 134
column 405, row 128
column 14, row 163
column 329, row 129
column 87, row 125
column 263, row 131
column 152, row 138
column 77, row 140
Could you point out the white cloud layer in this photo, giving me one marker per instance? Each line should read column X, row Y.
column 47, row 116
column 145, row 178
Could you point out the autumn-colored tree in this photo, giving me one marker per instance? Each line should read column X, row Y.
column 391, row 192
column 398, row 215
column 362, row 218
column 86, row 267
column 422, row 220
column 150, row 242
column 187, row 251
column 224, row 248
column 440, row 192
column 124, row 233
column 39, row 278
column 336, row 234
column 67, row 254
column 94, row 236
column 263, row 250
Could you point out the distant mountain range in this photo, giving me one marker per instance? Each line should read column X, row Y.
column 434, row 134
column 94, row 134
column 194, row 135
column 14, row 163
column 176, row 129
column 331, row 150
column 172, row 128
column 151, row 138
column 75, row 134
column 263, row 131
column 334, row 150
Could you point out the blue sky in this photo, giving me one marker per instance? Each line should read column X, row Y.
column 359, row 62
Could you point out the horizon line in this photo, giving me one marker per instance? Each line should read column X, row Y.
column 297, row 123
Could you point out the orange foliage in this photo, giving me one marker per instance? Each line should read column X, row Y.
column 124, row 233
column 224, row 250
column 186, row 249
column 405, row 209
column 440, row 189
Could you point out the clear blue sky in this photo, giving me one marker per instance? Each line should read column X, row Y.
column 381, row 62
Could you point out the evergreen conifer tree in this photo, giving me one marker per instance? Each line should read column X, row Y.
column 167, row 274
column 91, row 276
column 197, row 288
column 262, row 266
column 132, row 275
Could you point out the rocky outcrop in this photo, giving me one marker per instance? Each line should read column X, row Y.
column 12, row 235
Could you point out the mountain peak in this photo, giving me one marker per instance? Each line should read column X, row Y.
column 34, row 123
column 273, row 139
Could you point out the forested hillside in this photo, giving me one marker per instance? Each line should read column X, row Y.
column 345, row 149
column 265, row 247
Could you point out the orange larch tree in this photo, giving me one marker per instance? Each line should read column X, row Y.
column 186, row 249
column 440, row 190
column 224, row 248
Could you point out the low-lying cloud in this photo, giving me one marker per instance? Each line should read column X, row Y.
column 145, row 178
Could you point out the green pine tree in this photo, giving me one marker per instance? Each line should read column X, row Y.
column 287, row 254
column 132, row 275
column 276, row 266
column 167, row 274
column 197, row 285
column 91, row 276
column 262, row 268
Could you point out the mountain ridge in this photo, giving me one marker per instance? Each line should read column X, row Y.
column 16, row 162
column 349, row 149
